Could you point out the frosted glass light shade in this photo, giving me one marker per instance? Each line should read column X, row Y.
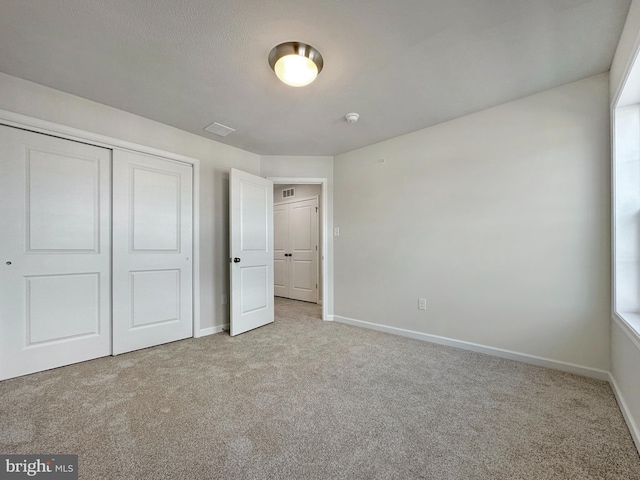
column 296, row 64
column 296, row 70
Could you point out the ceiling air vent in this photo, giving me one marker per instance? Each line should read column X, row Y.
column 219, row 129
column 289, row 192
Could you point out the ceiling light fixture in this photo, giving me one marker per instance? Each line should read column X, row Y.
column 296, row 64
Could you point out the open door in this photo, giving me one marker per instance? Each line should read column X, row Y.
column 251, row 249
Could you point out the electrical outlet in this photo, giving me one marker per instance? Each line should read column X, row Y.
column 336, row 232
column 422, row 304
column 225, row 299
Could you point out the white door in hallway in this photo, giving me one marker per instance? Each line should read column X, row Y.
column 152, row 251
column 296, row 250
column 281, row 250
column 55, row 266
column 251, row 251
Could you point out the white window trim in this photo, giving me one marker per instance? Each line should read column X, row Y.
column 625, row 153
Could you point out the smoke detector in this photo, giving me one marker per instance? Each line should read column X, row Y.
column 352, row 117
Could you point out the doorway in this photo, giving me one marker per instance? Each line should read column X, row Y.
column 304, row 188
column 296, row 243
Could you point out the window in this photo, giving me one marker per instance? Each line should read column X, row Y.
column 626, row 212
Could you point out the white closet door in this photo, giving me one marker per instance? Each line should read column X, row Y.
column 152, row 250
column 55, row 266
column 281, row 250
column 303, row 247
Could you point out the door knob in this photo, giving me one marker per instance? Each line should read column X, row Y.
column 8, row 263
column 236, row 260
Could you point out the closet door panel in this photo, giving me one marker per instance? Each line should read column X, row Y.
column 55, row 222
column 152, row 250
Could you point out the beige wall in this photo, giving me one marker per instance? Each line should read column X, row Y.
column 500, row 220
column 302, row 191
column 216, row 159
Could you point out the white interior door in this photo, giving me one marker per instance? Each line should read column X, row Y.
column 296, row 250
column 303, row 249
column 281, row 250
column 152, row 250
column 55, row 266
column 251, row 248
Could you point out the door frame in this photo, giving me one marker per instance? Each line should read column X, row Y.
column 325, row 234
column 25, row 122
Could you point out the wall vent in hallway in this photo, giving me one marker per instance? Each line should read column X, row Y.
column 289, row 192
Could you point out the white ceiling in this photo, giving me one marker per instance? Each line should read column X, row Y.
column 402, row 65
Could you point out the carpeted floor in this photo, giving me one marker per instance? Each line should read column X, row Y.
column 306, row 399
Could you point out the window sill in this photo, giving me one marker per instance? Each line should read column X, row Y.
column 630, row 323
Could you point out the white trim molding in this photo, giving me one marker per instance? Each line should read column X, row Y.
column 294, row 199
column 474, row 347
column 626, row 412
column 44, row 126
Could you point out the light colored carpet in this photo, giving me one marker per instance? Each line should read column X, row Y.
column 306, row 399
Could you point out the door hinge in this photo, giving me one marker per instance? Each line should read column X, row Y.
column 316, row 248
column 316, row 209
column 316, row 286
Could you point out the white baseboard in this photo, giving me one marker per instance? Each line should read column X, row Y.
column 211, row 330
column 626, row 413
column 474, row 347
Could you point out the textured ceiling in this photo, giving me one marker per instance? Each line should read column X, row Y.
column 402, row 65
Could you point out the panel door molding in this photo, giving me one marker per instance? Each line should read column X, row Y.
column 37, row 125
column 55, row 274
column 251, row 249
column 152, row 251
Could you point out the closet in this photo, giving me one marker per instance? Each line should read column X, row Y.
column 78, row 279
column 295, row 227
